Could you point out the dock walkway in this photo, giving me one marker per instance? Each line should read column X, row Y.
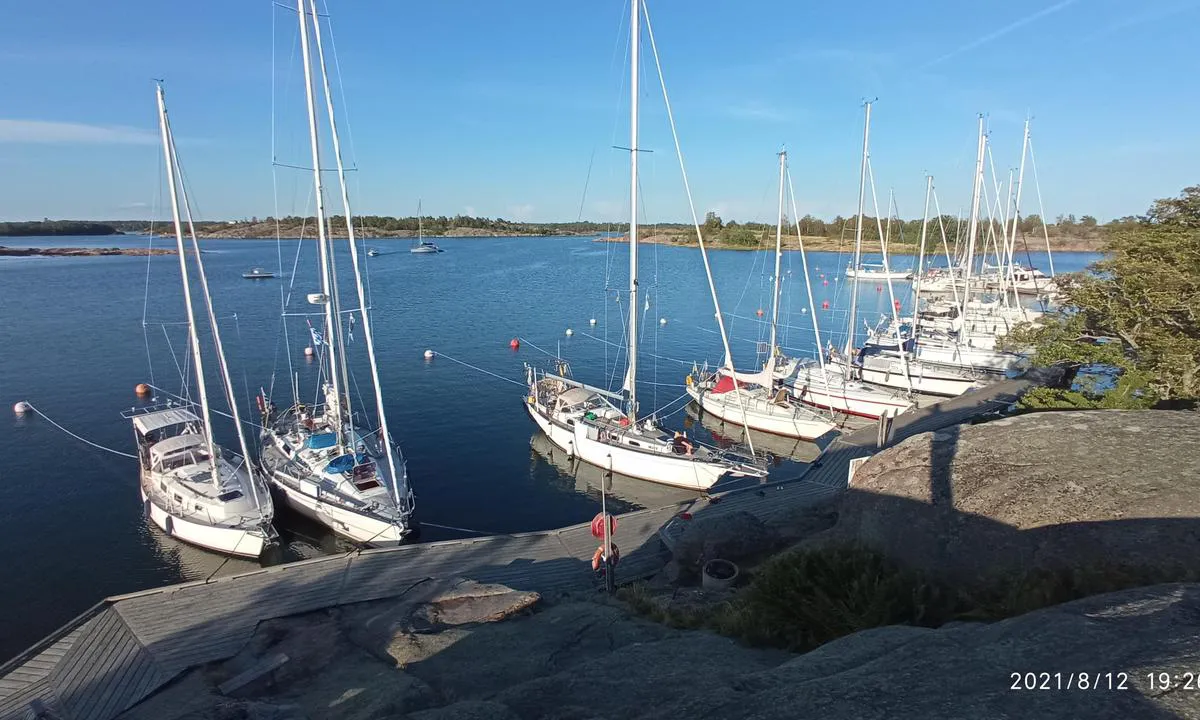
column 126, row 647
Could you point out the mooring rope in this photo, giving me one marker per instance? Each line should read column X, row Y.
column 479, row 369
column 80, row 438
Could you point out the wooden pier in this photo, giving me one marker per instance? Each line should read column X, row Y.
column 123, row 649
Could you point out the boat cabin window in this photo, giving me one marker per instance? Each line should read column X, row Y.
column 231, row 495
column 178, row 498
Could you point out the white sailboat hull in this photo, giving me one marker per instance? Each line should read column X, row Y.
column 924, row 379
column 227, row 540
column 973, row 358
column 759, row 414
column 360, row 528
column 834, row 393
column 674, row 470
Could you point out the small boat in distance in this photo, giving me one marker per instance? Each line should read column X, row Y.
column 426, row 247
column 258, row 274
column 867, row 271
column 423, row 246
column 372, row 252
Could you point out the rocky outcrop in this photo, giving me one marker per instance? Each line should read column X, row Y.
column 730, row 536
column 1047, row 491
column 589, row 659
column 80, row 252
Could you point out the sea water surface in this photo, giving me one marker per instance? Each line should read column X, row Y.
column 77, row 334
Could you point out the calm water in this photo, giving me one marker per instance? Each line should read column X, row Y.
column 73, row 343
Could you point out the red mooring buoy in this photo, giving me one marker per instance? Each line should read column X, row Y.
column 825, row 305
column 514, row 343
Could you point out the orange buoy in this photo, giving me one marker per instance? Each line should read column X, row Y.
column 514, row 343
column 142, row 389
column 759, row 312
column 825, row 305
column 598, row 556
column 896, row 303
column 824, row 282
column 308, row 352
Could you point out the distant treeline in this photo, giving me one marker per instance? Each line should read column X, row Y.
column 731, row 232
column 56, row 227
column 905, row 231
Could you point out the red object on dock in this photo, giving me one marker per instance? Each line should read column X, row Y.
column 598, row 525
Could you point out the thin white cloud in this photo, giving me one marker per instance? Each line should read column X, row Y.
column 53, row 132
column 997, row 34
column 470, row 211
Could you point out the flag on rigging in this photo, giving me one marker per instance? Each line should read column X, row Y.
column 317, row 339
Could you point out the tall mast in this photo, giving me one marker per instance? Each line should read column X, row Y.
column 358, row 284
column 193, row 336
column 634, row 309
column 976, row 189
column 858, row 234
column 222, row 364
column 327, row 287
column 778, row 261
column 921, row 258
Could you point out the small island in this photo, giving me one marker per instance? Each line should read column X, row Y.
column 80, row 252
column 42, row 228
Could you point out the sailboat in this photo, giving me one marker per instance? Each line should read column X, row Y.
column 827, row 385
column 325, row 467
column 887, row 358
column 423, row 246
column 973, row 348
column 750, row 399
column 604, row 428
column 192, row 488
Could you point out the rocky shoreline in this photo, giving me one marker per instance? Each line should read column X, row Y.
column 80, row 252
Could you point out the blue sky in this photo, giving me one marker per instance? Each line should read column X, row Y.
column 499, row 108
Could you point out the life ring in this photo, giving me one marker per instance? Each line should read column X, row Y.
column 598, row 557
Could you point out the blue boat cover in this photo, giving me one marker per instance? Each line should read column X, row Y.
column 320, row 441
column 340, row 464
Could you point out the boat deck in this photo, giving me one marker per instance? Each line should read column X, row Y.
column 123, row 649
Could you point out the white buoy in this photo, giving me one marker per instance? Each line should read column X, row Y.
column 570, row 332
column 308, row 352
column 428, row 354
column 22, row 407
column 662, row 321
column 592, row 321
column 804, row 310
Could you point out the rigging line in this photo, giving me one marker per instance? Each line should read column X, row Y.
column 524, row 341
column 479, row 369
column 80, row 438
column 182, row 377
column 1037, row 184
column 685, row 363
